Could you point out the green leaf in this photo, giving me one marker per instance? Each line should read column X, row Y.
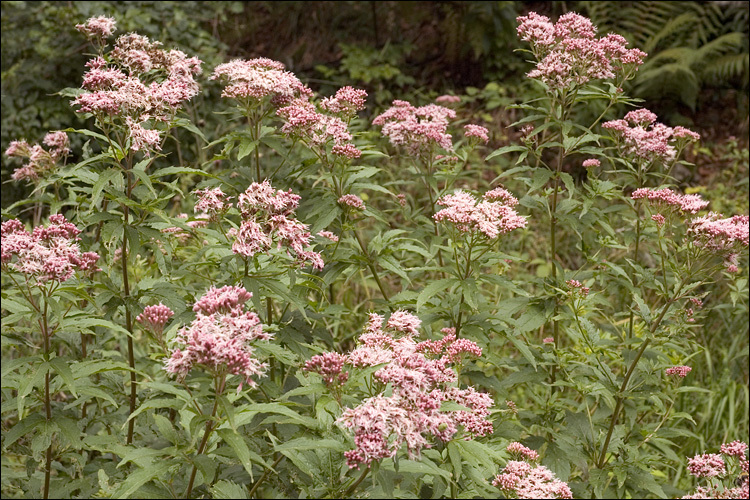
column 96, row 191
column 60, row 367
column 246, row 147
column 433, row 288
column 22, row 428
column 504, row 150
column 243, row 453
column 455, row 457
column 227, row 490
column 140, row 477
column 643, row 308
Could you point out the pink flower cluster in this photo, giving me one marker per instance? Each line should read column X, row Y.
column 328, row 235
column 155, row 317
column 99, row 27
column 318, row 130
column 268, row 218
column 417, row 129
column 647, row 139
column 576, row 287
column 257, row 79
column 41, row 161
column 679, row 371
column 352, row 200
column 723, row 237
column 478, row 132
column 142, row 83
column 665, row 197
column 330, row 366
column 591, row 163
column 346, row 102
column 521, row 480
column 569, row 54
column 713, row 465
column 47, row 253
column 520, row 451
column 491, row 218
column 212, row 202
column 219, row 337
column 421, row 379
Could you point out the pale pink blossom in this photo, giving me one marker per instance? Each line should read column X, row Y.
column 329, row 235
column 548, row 340
column 569, row 54
column 707, row 465
column 48, row 253
column 261, row 78
column 519, row 480
column 417, row 129
column 666, row 198
column 421, row 380
column 97, row 27
column 346, row 102
column 219, row 340
column 41, row 161
column 490, row 218
column 329, row 365
column 212, row 202
column 268, row 221
column 591, row 162
column 481, row 133
column 225, row 300
column 520, row 451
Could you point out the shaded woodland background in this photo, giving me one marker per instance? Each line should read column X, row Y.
column 696, row 74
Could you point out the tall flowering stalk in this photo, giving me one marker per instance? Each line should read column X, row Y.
column 569, row 59
column 44, row 258
column 473, row 227
column 219, row 340
column 134, row 93
column 259, row 86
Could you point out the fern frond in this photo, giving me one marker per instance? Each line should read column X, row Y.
column 728, row 68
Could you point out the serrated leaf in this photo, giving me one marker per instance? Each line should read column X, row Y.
column 241, row 450
column 433, row 288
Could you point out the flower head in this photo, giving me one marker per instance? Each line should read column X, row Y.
column 220, row 337
column 417, row 129
column 97, row 27
column 421, row 379
column 679, row 371
column 48, row 253
column 490, row 218
column 261, row 78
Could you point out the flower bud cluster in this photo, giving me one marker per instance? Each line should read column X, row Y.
column 520, row 479
column 257, row 79
column 153, row 318
column 731, row 462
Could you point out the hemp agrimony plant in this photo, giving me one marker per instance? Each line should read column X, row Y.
column 188, row 323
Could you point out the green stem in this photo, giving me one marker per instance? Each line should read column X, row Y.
column 371, row 265
column 350, row 490
column 626, row 380
column 220, row 385
column 264, row 476
column 47, row 401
